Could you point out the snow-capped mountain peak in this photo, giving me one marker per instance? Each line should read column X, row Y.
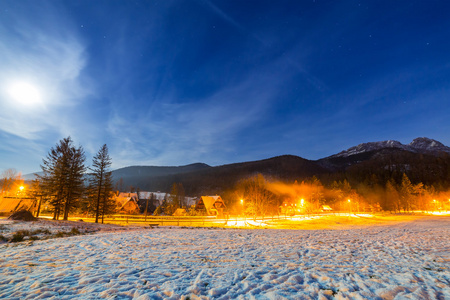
column 418, row 145
column 428, row 144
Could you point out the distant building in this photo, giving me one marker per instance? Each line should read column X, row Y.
column 326, row 208
column 12, row 204
column 151, row 200
column 127, row 203
column 212, row 205
column 179, row 212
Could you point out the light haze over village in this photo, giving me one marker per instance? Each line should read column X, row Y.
column 224, row 149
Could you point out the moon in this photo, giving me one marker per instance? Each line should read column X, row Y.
column 24, row 93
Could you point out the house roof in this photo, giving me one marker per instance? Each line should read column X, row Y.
column 128, row 200
column 156, row 195
column 209, row 202
column 10, row 204
column 128, row 195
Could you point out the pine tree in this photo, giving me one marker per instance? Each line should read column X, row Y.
column 75, row 186
column 101, row 186
column 62, row 180
column 37, row 194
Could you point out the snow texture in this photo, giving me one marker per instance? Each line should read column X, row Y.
column 400, row 261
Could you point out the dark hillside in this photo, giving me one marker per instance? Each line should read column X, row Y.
column 217, row 179
column 132, row 176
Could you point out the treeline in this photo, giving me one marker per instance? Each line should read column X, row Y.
column 259, row 196
column 370, row 169
column 68, row 185
column 399, row 180
column 216, row 180
column 430, row 170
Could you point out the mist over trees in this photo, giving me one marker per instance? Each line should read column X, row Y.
column 10, row 182
column 259, row 196
column 389, row 179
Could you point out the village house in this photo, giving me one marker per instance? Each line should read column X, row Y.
column 212, row 205
column 9, row 205
column 151, row 200
column 127, row 203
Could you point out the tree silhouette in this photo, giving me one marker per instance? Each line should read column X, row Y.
column 100, row 184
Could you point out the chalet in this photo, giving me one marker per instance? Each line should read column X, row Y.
column 179, row 212
column 127, row 203
column 151, row 200
column 11, row 204
column 212, row 205
column 326, row 208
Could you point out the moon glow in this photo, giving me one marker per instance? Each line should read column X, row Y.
column 24, row 93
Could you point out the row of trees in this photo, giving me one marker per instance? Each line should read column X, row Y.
column 257, row 196
column 67, row 184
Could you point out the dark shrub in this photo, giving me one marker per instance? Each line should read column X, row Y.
column 22, row 215
column 17, row 237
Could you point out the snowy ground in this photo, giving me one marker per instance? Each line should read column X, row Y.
column 397, row 261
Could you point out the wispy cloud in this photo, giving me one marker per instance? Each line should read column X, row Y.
column 45, row 52
column 169, row 132
column 39, row 47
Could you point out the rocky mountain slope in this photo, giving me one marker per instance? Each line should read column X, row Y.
column 419, row 145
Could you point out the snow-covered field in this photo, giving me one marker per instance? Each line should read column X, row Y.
column 397, row 261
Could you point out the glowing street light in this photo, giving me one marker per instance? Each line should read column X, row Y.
column 243, row 211
column 20, row 191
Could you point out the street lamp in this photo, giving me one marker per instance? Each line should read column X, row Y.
column 243, row 211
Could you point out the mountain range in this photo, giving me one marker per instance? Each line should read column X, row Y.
column 424, row 156
column 418, row 145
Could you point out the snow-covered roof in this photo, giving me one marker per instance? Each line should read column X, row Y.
column 128, row 195
column 10, row 204
column 156, row 195
column 209, row 202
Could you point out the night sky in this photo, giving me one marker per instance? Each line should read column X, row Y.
column 177, row 82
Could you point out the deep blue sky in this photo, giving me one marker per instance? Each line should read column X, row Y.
column 178, row 82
